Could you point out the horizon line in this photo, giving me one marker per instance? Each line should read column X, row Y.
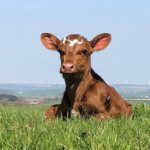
column 41, row 84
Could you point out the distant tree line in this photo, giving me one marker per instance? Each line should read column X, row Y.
column 7, row 97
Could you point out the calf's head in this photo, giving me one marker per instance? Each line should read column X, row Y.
column 75, row 50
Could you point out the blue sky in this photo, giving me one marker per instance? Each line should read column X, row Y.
column 23, row 59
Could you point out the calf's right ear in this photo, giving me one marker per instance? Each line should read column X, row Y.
column 50, row 41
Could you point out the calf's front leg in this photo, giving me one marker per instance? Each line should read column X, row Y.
column 58, row 110
column 51, row 112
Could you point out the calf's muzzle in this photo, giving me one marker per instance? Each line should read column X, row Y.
column 67, row 68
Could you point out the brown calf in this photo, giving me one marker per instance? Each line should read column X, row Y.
column 86, row 92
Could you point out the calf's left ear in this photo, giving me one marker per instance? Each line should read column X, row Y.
column 50, row 41
column 100, row 42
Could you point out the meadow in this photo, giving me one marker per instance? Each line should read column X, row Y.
column 24, row 128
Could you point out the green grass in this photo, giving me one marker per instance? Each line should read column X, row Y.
column 24, row 128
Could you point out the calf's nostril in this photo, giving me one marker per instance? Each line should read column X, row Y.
column 72, row 67
column 63, row 67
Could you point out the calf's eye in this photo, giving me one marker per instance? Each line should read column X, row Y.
column 84, row 52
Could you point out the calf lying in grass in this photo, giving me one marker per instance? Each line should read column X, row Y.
column 86, row 92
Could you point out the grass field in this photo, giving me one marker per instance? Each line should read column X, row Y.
column 24, row 128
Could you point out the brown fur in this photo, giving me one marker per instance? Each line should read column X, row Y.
column 86, row 94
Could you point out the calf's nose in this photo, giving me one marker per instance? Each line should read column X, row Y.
column 67, row 67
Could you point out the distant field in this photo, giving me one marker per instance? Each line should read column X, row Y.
column 56, row 90
column 134, row 101
column 24, row 128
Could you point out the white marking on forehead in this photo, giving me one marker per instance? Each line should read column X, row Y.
column 72, row 42
column 75, row 41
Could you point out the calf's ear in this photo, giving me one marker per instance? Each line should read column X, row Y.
column 101, row 41
column 50, row 41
